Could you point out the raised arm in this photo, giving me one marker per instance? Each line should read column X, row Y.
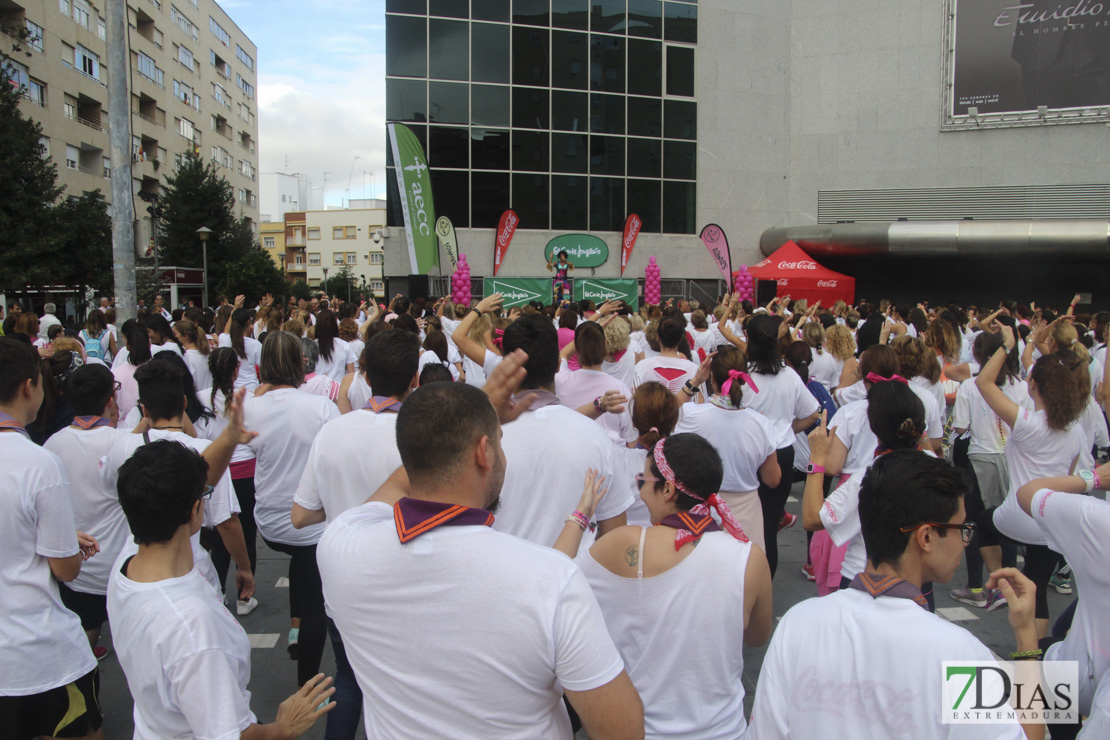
column 820, row 440
column 998, row 401
column 575, row 526
column 467, row 346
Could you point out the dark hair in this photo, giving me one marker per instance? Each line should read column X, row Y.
column 798, row 356
column 138, row 342
column 562, row 253
column 236, row 329
column 896, row 415
column 696, row 465
column 158, row 487
column 406, row 322
column 763, row 344
column 18, row 362
column 589, row 343
column 327, row 329
column 1064, row 383
column 89, row 389
column 392, row 359
column 95, row 325
column 671, row 332
column 161, row 390
column 158, row 324
column 282, row 360
column 194, row 409
column 223, row 363
column 456, row 415
column 917, row 319
column 654, row 412
column 436, row 341
column 984, row 347
column 537, row 337
column 728, row 358
column 568, row 319
column 868, row 334
column 902, row 489
column 879, row 359
column 434, row 372
column 401, row 307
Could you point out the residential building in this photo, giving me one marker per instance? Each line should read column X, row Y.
column 319, row 243
column 282, row 193
column 272, row 236
column 192, row 78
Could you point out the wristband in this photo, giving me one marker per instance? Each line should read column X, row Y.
column 597, row 404
column 1098, row 480
column 1028, row 655
column 580, row 519
column 475, row 310
column 812, row 469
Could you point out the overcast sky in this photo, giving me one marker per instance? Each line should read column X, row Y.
column 321, row 90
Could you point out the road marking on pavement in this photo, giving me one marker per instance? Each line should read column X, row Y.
column 282, row 582
column 263, row 641
column 957, row 614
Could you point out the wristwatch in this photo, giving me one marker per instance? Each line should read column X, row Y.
column 811, row 469
column 1088, row 479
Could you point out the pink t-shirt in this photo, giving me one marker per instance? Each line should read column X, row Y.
column 566, row 336
column 578, row 387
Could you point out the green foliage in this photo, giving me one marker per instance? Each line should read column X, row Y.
column 337, row 284
column 83, row 245
column 253, row 275
column 298, row 288
column 195, row 196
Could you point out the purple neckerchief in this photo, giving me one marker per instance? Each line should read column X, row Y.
column 414, row 517
column 91, row 422
column 878, row 585
column 543, row 398
column 690, row 526
column 9, row 422
column 382, row 404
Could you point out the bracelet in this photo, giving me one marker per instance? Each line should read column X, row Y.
column 475, row 310
column 689, row 389
column 812, row 469
column 1028, row 655
column 580, row 519
column 597, row 404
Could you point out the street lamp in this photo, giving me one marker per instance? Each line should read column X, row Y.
column 203, row 233
column 281, row 259
column 325, row 282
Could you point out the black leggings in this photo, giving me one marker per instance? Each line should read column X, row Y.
column 773, row 503
column 973, row 506
column 306, row 602
column 1040, row 561
column 221, row 558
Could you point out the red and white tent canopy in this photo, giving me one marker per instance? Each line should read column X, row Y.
column 799, row 276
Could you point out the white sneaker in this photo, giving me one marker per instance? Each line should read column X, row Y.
column 243, row 608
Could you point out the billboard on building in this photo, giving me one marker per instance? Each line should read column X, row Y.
column 1028, row 56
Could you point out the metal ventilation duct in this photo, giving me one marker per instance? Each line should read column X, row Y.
column 1085, row 239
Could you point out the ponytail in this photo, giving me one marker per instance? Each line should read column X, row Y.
column 654, row 413
column 728, row 369
column 192, row 331
column 222, row 364
column 327, row 329
column 240, row 319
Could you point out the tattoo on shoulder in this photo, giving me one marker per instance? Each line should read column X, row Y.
column 632, row 556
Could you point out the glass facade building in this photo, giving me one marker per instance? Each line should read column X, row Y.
column 574, row 113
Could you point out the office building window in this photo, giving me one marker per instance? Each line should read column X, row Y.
column 34, row 35
column 86, row 62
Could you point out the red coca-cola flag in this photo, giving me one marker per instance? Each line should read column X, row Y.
column 631, row 230
column 505, row 230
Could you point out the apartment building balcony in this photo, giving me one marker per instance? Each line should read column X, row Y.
column 294, row 241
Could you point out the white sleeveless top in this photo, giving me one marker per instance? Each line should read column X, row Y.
column 359, row 391
column 681, row 637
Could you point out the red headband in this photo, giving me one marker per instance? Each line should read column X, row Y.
column 727, row 519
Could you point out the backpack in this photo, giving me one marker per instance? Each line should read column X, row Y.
column 97, row 347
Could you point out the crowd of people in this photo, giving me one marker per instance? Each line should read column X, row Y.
column 527, row 522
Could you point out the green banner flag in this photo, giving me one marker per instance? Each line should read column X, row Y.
column 519, row 291
column 414, row 183
column 600, row 290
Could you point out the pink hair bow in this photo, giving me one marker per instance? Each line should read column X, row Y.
column 498, row 337
column 737, row 375
column 876, row 378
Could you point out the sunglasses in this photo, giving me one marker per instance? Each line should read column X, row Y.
column 641, row 479
column 967, row 529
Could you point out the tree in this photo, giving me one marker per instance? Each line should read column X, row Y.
column 194, row 196
column 298, row 289
column 83, row 243
column 27, row 192
column 253, row 275
column 338, row 284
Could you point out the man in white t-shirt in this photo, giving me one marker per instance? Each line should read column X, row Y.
column 48, row 675
column 453, row 628
column 551, row 447
column 48, row 320
column 869, row 658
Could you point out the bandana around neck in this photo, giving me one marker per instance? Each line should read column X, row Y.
column 898, row 588
column 91, row 422
column 9, row 422
column 543, row 398
column 382, row 404
column 690, row 526
column 699, row 512
column 415, row 517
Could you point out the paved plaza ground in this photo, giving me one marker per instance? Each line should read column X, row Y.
column 273, row 674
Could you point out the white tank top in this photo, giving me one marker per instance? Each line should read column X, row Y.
column 681, row 637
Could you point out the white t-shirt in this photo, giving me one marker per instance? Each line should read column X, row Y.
column 743, row 438
column 1092, row 425
column 462, row 632
column 1076, row 526
column 851, row 426
column 186, row 659
column 44, row 645
column 248, row 366
column 825, row 369
column 782, row 398
column 96, row 509
column 351, row 457
column 840, row 518
column 623, row 369
column 216, row 425
column 972, row 412
column 287, row 421
column 168, row 346
column 576, row 388
column 1097, row 725
column 428, row 357
column 705, row 341
column 873, row 669
column 1033, row 451
column 688, row 618
column 198, row 366
column 341, row 356
column 855, row 392
column 673, row 372
column 935, row 392
column 548, row 452
column 359, row 393
column 630, row 460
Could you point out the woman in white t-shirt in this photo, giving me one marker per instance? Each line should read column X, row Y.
column 196, row 351
column 917, row 363
column 335, row 354
column 672, row 593
column 1043, row 443
column 576, row 388
column 670, row 367
column 786, row 402
column 841, row 345
column 705, row 339
column 744, row 438
column 181, row 641
column 99, row 340
column 136, row 353
column 654, row 416
column 162, row 338
column 823, row 367
column 472, row 337
column 287, row 420
column 238, row 337
column 620, row 355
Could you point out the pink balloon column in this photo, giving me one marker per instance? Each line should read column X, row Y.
column 460, row 282
column 653, row 289
column 745, row 284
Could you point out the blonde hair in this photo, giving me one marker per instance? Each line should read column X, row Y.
column 64, row 344
column 636, row 322
column 813, row 334
column 839, row 342
column 616, row 336
column 293, row 326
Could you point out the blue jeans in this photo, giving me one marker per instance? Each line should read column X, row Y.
column 342, row 722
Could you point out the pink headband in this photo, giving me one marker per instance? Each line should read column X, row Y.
column 498, row 337
column 876, row 378
column 727, row 519
column 737, row 375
